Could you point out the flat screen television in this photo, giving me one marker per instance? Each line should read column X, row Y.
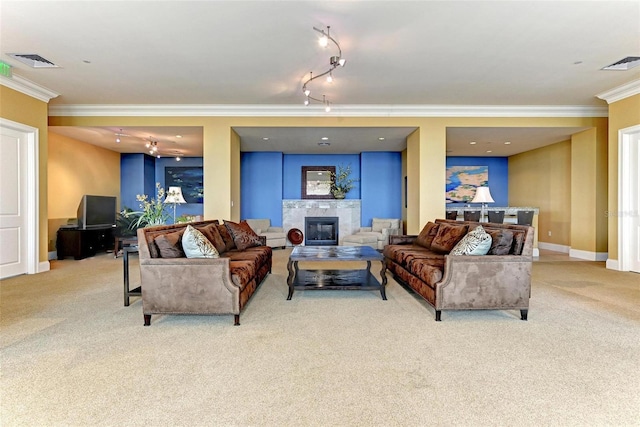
column 97, row 212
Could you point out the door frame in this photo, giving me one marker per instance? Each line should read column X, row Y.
column 32, row 187
column 627, row 201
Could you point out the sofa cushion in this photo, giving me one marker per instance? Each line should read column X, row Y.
column 447, row 237
column 430, row 274
column 501, row 241
column 211, row 232
column 518, row 243
column 170, row 245
column 226, row 237
column 196, row 245
column 475, row 242
column 378, row 224
column 428, row 233
column 243, row 236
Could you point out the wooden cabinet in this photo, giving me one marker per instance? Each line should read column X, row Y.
column 83, row 243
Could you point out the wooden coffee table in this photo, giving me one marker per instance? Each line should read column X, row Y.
column 348, row 279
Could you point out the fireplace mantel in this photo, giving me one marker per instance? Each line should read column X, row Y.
column 347, row 210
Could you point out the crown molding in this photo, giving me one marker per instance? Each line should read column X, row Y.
column 28, row 87
column 621, row 92
column 318, row 111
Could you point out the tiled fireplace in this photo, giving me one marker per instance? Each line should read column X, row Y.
column 347, row 211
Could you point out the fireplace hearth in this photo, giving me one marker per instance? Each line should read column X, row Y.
column 321, row 230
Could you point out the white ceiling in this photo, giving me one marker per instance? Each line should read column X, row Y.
column 257, row 54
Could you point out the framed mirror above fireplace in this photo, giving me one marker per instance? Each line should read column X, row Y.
column 316, row 182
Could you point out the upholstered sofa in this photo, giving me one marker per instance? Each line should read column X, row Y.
column 174, row 284
column 500, row 280
column 376, row 236
column 276, row 237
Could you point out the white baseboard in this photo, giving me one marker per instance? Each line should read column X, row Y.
column 536, row 252
column 613, row 264
column 44, row 266
column 554, row 247
column 588, row 255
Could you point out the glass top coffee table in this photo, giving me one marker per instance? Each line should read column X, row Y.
column 349, row 279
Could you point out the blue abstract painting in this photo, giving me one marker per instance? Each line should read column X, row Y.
column 189, row 178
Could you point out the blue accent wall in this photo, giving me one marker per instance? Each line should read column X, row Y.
column 380, row 186
column 132, row 180
column 261, row 186
column 498, row 177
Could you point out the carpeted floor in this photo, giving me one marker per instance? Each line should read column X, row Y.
column 73, row 355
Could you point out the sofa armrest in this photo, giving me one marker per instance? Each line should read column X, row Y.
column 485, row 282
column 404, row 239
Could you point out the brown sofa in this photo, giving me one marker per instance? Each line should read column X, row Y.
column 180, row 285
column 499, row 280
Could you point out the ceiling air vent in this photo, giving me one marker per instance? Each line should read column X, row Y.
column 624, row 64
column 33, row 60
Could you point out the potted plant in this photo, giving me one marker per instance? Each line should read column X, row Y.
column 341, row 181
column 153, row 210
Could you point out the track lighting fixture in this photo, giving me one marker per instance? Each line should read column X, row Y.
column 118, row 135
column 335, row 61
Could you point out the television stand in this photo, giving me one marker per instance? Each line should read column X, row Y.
column 80, row 243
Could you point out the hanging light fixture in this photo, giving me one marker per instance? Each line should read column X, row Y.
column 119, row 135
column 335, row 61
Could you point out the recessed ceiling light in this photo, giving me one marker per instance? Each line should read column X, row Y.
column 381, row 138
column 577, row 63
column 324, row 138
column 489, row 151
column 178, row 136
column 473, row 143
column 265, row 138
column 507, row 143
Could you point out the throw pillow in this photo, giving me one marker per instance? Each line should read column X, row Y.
column 447, row 237
column 518, row 243
column 196, row 245
column 377, row 225
column 426, row 236
column 476, row 242
column 211, row 232
column 169, row 245
column 243, row 236
column 501, row 241
column 226, row 237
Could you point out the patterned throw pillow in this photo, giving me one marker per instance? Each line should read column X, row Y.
column 447, row 237
column 476, row 242
column 243, row 236
column 196, row 245
column 427, row 235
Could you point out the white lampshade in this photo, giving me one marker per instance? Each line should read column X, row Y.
column 174, row 195
column 483, row 195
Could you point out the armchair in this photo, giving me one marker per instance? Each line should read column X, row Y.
column 276, row 237
column 377, row 235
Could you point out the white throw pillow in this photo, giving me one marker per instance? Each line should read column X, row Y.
column 476, row 242
column 196, row 245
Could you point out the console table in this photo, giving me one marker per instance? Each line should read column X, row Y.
column 137, row 292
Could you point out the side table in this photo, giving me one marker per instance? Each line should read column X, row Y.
column 137, row 292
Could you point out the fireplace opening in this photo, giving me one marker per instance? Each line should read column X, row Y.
column 321, row 230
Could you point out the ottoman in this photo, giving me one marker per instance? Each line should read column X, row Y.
column 361, row 240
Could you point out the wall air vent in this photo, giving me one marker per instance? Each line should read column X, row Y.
column 33, row 60
column 624, row 64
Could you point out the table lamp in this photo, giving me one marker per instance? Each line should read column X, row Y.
column 483, row 195
column 174, row 196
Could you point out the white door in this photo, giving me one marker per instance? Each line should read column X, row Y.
column 13, row 202
column 634, row 193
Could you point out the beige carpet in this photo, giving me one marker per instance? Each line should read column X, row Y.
column 73, row 355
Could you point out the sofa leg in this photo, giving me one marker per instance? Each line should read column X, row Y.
column 523, row 314
column 438, row 314
column 147, row 319
column 236, row 320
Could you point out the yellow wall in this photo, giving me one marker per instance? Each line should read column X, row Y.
column 24, row 109
column 542, row 178
column 622, row 114
column 77, row 168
